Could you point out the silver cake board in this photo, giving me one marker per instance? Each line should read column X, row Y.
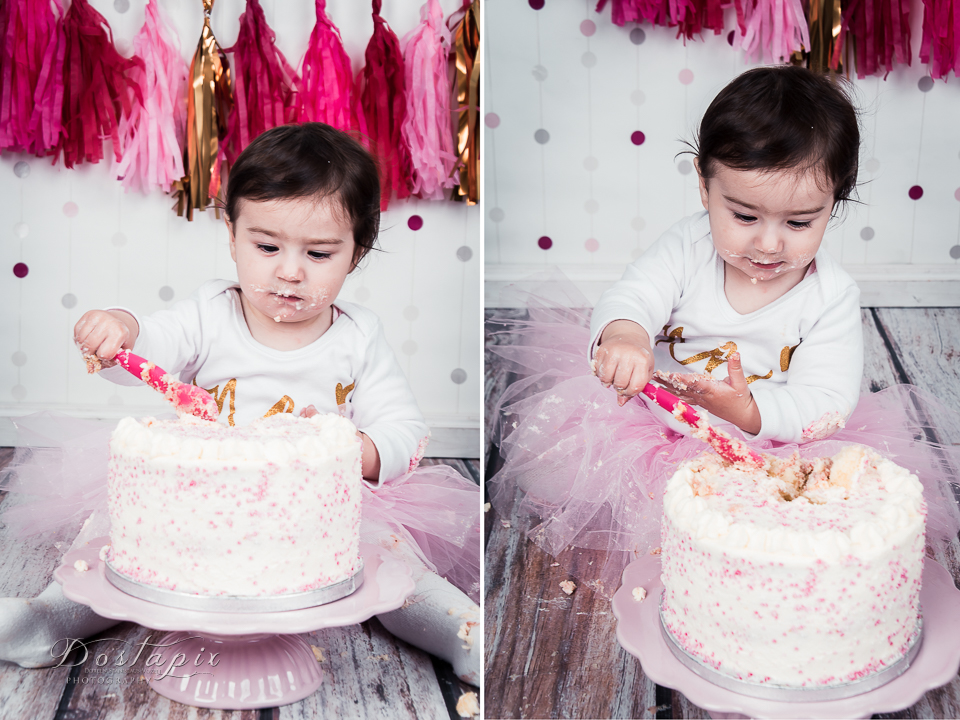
column 783, row 693
column 235, row 603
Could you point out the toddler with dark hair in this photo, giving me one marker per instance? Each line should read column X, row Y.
column 302, row 210
column 737, row 310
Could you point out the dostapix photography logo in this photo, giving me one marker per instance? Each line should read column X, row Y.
column 162, row 660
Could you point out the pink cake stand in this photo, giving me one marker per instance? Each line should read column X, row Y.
column 638, row 631
column 262, row 662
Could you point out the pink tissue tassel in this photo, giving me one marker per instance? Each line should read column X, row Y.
column 427, row 128
column 380, row 88
column 264, row 83
column 940, row 47
column 31, row 75
column 327, row 80
column 880, row 30
column 689, row 16
column 773, row 29
column 152, row 135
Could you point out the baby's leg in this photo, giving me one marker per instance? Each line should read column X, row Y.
column 30, row 627
column 440, row 619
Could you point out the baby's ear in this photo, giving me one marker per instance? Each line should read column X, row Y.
column 233, row 240
column 704, row 197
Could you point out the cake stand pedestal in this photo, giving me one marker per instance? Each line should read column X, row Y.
column 232, row 660
column 638, row 631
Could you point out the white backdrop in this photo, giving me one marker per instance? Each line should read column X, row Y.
column 87, row 244
column 567, row 91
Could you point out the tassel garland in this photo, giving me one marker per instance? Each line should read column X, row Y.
column 264, row 83
column 152, row 136
column 940, row 47
column 879, row 32
column 771, row 29
column 208, row 105
column 466, row 43
column 380, row 89
column 690, row 17
column 426, row 128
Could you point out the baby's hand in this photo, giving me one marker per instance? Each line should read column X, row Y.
column 103, row 333
column 308, row 411
column 729, row 399
column 624, row 359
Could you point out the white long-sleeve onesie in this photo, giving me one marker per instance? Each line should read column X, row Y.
column 802, row 353
column 205, row 339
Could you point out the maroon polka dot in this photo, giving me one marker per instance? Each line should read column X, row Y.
column 637, row 137
column 730, row 36
column 916, row 192
column 415, row 222
column 545, row 243
column 536, row 4
column 21, row 270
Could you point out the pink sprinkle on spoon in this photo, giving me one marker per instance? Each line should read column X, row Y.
column 729, row 448
column 188, row 399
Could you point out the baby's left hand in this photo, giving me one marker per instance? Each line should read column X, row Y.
column 729, row 399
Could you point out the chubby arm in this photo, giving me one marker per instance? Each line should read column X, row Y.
column 370, row 456
column 104, row 332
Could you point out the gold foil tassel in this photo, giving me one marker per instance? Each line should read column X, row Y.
column 208, row 104
column 466, row 44
column 825, row 20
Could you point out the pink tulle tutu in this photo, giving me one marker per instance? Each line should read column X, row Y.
column 431, row 515
column 584, row 478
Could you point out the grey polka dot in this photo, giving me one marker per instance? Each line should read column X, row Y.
column 19, row 392
column 114, row 400
column 925, row 83
column 496, row 214
column 541, row 136
column 635, row 253
column 539, row 73
column 867, row 233
column 362, row 294
column 69, row 300
column 411, row 313
column 638, row 224
column 591, row 206
column 121, row 6
column 637, row 97
column 955, row 252
column 685, row 167
column 871, row 165
column 21, row 169
column 166, row 293
column 409, row 347
column 637, row 36
column 459, row 376
column 464, row 253
column 119, row 239
column 19, row 358
column 21, row 230
column 590, row 164
column 588, row 59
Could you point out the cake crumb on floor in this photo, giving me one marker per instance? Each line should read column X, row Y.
column 317, row 653
column 568, row 586
column 467, row 705
column 486, row 507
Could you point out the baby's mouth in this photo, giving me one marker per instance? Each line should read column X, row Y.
column 766, row 265
column 289, row 299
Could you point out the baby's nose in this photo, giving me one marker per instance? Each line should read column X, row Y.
column 290, row 271
column 768, row 239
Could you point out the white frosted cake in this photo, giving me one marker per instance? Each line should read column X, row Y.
column 806, row 575
column 268, row 509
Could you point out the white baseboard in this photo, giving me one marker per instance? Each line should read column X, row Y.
column 880, row 285
column 451, row 437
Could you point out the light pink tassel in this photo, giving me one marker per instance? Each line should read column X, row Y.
column 152, row 135
column 427, row 128
column 772, row 29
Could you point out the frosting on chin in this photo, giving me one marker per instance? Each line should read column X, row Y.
column 805, row 574
column 266, row 509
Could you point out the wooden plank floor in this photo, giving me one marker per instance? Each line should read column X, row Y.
column 367, row 672
column 549, row 655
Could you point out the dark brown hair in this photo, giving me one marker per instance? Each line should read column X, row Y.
column 783, row 118
column 312, row 160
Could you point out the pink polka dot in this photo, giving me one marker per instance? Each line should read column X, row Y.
column 637, row 137
column 956, row 193
column 21, row 270
column 415, row 222
column 592, row 245
column 491, row 120
column 536, row 4
column 588, row 27
column 70, row 209
column 545, row 243
column 686, row 76
column 916, row 192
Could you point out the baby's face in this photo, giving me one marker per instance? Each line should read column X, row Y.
column 292, row 257
column 767, row 226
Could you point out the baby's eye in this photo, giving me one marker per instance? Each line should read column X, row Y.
column 744, row 218
column 798, row 224
column 316, row 255
column 267, row 248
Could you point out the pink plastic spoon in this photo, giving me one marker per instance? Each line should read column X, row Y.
column 729, row 448
column 185, row 398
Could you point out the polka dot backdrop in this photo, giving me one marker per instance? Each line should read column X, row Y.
column 586, row 125
column 73, row 240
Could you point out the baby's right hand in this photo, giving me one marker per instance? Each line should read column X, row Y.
column 624, row 359
column 102, row 333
